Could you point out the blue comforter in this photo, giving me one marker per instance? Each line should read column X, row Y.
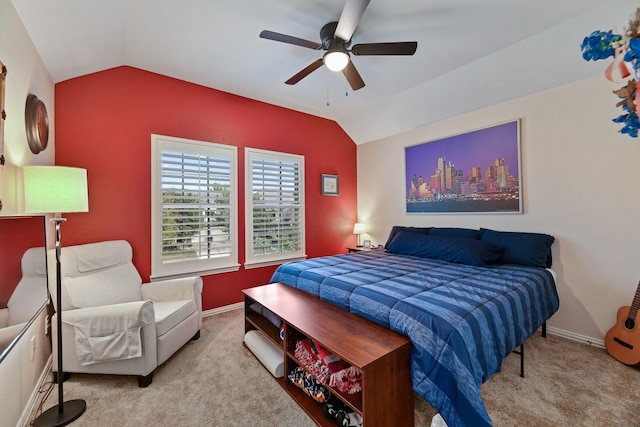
column 462, row 320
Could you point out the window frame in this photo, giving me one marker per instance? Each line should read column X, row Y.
column 252, row 261
column 160, row 270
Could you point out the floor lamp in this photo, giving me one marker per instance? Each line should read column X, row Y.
column 57, row 189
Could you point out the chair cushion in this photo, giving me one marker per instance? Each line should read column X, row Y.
column 105, row 287
column 96, row 274
column 96, row 256
column 170, row 313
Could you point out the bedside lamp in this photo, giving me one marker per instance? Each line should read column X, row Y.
column 359, row 228
column 57, row 189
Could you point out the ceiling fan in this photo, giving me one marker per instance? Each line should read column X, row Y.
column 335, row 40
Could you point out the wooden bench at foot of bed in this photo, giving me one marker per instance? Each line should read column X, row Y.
column 382, row 355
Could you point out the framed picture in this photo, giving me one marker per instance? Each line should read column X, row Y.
column 474, row 172
column 367, row 243
column 329, row 185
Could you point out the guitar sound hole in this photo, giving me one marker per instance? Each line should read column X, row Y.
column 629, row 323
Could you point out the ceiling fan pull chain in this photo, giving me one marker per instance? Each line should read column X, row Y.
column 326, row 75
column 346, row 87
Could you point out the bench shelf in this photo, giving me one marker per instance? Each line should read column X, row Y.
column 381, row 354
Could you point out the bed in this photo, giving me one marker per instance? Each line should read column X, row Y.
column 465, row 298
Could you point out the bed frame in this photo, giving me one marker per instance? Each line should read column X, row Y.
column 520, row 352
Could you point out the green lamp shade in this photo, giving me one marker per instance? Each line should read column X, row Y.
column 55, row 189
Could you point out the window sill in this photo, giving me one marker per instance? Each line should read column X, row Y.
column 209, row 272
column 250, row 265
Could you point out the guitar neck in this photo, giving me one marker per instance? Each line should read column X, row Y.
column 633, row 311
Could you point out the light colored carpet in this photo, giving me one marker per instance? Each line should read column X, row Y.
column 216, row 381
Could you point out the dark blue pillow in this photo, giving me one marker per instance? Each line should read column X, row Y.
column 528, row 249
column 467, row 233
column 396, row 228
column 452, row 249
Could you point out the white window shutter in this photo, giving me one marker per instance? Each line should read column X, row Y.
column 194, row 207
column 274, row 200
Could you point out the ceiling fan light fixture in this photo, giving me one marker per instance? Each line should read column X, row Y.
column 336, row 59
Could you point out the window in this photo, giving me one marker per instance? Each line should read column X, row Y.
column 194, row 207
column 274, row 200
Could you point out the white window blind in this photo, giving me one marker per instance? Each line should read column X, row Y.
column 275, row 207
column 194, row 206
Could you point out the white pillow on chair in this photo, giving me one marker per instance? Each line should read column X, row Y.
column 124, row 286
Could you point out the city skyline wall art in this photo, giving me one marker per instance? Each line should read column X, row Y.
column 473, row 172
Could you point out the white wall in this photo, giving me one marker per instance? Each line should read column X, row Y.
column 580, row 184
column 26, row 74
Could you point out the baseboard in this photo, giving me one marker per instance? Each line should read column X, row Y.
column 576, row 337
column 223, row 309
column 28, row 411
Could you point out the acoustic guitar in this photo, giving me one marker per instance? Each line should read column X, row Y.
column 623, row 339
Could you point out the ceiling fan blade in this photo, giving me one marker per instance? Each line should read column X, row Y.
column 270, row 35
column 353, row 77
column 350, row 17
column 393, row 48
column 305, row 72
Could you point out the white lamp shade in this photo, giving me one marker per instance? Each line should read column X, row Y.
column 359, row 228
column 55, row 189
column 336, row 60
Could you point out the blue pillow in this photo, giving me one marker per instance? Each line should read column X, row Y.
column 396, row 228
column 528, row 249
column 452, row 249
column 467, row 233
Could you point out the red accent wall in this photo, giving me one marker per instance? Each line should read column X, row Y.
column 104, row 122
column 17, row 234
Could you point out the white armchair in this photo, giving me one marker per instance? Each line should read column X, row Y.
column 27, row 298
column 114, row 324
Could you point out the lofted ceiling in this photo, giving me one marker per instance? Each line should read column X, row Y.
column 471, row 53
